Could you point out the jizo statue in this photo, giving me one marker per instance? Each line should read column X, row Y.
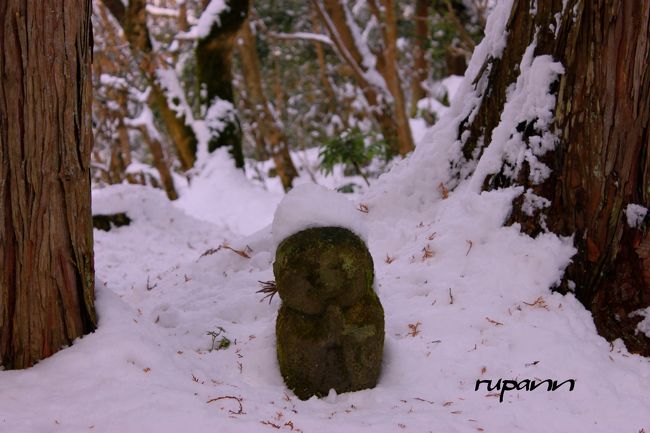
column 330, row 327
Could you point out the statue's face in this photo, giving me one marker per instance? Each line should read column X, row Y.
column 321, row 266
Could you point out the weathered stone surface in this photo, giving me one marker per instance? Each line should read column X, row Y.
column 330, row 328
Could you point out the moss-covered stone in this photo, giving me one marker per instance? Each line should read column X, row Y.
column 321, row 266
column 330, row 328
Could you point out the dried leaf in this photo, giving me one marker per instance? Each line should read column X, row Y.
column 245, row 253
column 444, row 192
column 414, row 329
column 538, row 303
column 427, row 252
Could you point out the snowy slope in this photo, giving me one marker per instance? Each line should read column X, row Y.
column 149, row 366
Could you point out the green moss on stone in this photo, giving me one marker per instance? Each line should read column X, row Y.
column 322, row 265
column 330, row 328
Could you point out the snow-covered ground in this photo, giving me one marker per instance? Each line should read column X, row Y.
column 465, row 300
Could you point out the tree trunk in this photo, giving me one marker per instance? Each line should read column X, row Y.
column 46, row 259
column 181, row 134
column 160, row 162
column 332, row 102
column 183, row 24
column 123, row 135
column 388, row 67
column 214, row 72
column 420, row 64
column 274, row 138
column 133, row 20
column 386, row 99
column 601, row 162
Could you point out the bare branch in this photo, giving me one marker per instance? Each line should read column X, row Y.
column 315, row 37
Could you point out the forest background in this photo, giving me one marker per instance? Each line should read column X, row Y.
column 290, row 88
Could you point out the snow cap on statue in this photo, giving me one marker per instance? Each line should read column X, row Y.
column 310, row 205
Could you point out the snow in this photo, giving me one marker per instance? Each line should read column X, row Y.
column 440, row 147
column 144, row 119
column 451, row 84
column 444, row 89
column 308, row 36
column 432, row 105
column 113, row 81
column 465, row 297
column 208, row 18
column 360, row 37
column 418, row 128
column 481, row 297
column 177, row 101
column 311, row 205
column 635, row 214
column 528, row 102
column 644, row 325
column 219, row 115
column 222, row 194
column 163, row 12
column 534, row 202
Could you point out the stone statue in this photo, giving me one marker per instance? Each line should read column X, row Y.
column 330, row 327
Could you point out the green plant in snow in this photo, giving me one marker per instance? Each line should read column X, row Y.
column 223, row 343
column 351, row 148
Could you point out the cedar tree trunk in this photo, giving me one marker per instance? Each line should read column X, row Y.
column 46, row 238
column 601, row 162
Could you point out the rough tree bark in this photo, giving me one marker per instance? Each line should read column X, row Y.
column 46, row 238
column 214, row 72
column 601, row 162
column 272, row 135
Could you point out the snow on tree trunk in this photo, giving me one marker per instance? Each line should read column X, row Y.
column 46, row 238
column 177, row 122
column 376, row 73
column 564, row 112
column 214, row 73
